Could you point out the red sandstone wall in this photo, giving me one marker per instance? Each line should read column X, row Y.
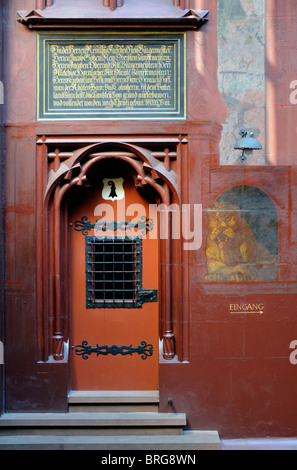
column 236, row 377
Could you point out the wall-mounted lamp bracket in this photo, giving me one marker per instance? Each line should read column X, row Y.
column 247, row 144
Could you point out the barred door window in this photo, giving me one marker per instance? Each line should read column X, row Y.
column 114, row 273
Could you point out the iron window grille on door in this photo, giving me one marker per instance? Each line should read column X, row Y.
column 114, row 273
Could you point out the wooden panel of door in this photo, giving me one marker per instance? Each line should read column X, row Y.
column 109, row 366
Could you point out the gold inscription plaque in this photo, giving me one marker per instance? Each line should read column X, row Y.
column 111, row 76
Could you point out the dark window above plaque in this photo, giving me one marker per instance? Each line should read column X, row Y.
column 102, row 14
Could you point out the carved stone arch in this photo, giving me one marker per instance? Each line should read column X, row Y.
column 149, row 172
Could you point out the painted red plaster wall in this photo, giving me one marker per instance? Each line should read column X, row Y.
column 237, row 378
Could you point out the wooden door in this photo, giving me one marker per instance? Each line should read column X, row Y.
column 113, row 286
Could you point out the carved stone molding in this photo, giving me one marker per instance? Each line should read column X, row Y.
column 113, row 4
column 183, row 4
column 103, row 14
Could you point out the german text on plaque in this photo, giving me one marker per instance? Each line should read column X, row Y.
column 95, row 76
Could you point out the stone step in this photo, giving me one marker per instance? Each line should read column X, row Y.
column 188, row 441
column 127, row 423
column 113, row 401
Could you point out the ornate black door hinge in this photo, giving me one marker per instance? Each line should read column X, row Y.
column 84, row 225
column 85, row 350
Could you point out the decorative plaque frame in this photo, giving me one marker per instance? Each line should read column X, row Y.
column 111, row 76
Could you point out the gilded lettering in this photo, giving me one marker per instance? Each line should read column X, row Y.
column 246, row 308
column 112, row 75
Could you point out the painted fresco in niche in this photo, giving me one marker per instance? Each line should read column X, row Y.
column 242, row 241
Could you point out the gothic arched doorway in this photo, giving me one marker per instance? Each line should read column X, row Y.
column 106, row 189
